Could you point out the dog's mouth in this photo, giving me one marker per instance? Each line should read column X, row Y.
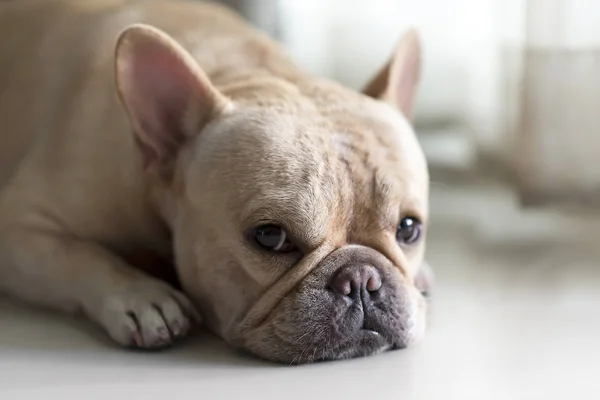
column 365, row 343
column 370, row 332
column 359, row 309
column 296, row 338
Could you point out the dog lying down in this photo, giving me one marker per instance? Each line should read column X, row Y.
column 295, row 209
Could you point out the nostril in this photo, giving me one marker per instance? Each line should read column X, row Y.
column 374, row 283
column 343, row 282
column 342, row 286
column 354, row 279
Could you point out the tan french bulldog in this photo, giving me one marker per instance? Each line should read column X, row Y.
column 295, row 209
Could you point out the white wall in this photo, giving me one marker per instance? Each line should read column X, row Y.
column 559, row 147
column 349, row 40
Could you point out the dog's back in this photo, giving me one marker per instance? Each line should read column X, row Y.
column 41, row 68
column 56, row 53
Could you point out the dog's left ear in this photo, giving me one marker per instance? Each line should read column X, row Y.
column 398, row 79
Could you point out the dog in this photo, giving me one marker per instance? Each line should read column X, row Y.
column 294, row 209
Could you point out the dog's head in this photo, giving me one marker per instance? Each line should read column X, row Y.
column 298, row 207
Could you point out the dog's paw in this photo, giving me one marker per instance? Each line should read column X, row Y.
column 148, row 315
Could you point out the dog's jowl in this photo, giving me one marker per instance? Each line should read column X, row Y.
column 295, row 209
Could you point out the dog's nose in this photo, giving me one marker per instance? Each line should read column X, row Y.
column 353, row 280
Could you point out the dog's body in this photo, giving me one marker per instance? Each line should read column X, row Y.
column 57, row 82
column 79, row 193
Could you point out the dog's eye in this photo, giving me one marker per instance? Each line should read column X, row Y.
column 273, row 238
column 409, row 230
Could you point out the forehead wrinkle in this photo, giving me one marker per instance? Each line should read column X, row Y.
column 372, row 191
column 385, row 176
column 343, row 162
column 386, row 197
column 293, row 193
column 296, row 210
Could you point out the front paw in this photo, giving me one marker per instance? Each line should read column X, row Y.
column 148, row 315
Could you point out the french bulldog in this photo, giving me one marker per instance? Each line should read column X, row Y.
column 294, row 209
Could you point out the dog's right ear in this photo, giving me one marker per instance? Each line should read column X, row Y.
column 167, row 96
column 396, row 83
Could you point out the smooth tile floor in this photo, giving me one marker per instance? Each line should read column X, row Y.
column 516, row 315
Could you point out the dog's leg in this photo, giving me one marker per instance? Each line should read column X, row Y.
column 66, row 273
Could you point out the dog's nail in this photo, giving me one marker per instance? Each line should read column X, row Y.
column 176, row 329
column 163, row 333
column 137, row 339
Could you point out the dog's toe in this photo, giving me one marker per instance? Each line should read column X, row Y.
column 152, row 317
column 153, row 327
column 175, row 318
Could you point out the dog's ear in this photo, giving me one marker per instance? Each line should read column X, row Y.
column 425, row 279
column 167, row 96
column 397, row 81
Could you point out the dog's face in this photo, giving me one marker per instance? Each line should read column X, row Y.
column 298, row 211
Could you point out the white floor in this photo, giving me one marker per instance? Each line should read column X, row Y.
column 516, row 315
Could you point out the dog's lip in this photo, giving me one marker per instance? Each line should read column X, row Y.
column 370, row 332
column 368, row 338
column 367, row 342
column 364, row 342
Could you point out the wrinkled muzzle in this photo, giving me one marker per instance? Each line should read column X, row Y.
column 350, row 303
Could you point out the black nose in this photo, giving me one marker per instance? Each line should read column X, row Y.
column 353, row 280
